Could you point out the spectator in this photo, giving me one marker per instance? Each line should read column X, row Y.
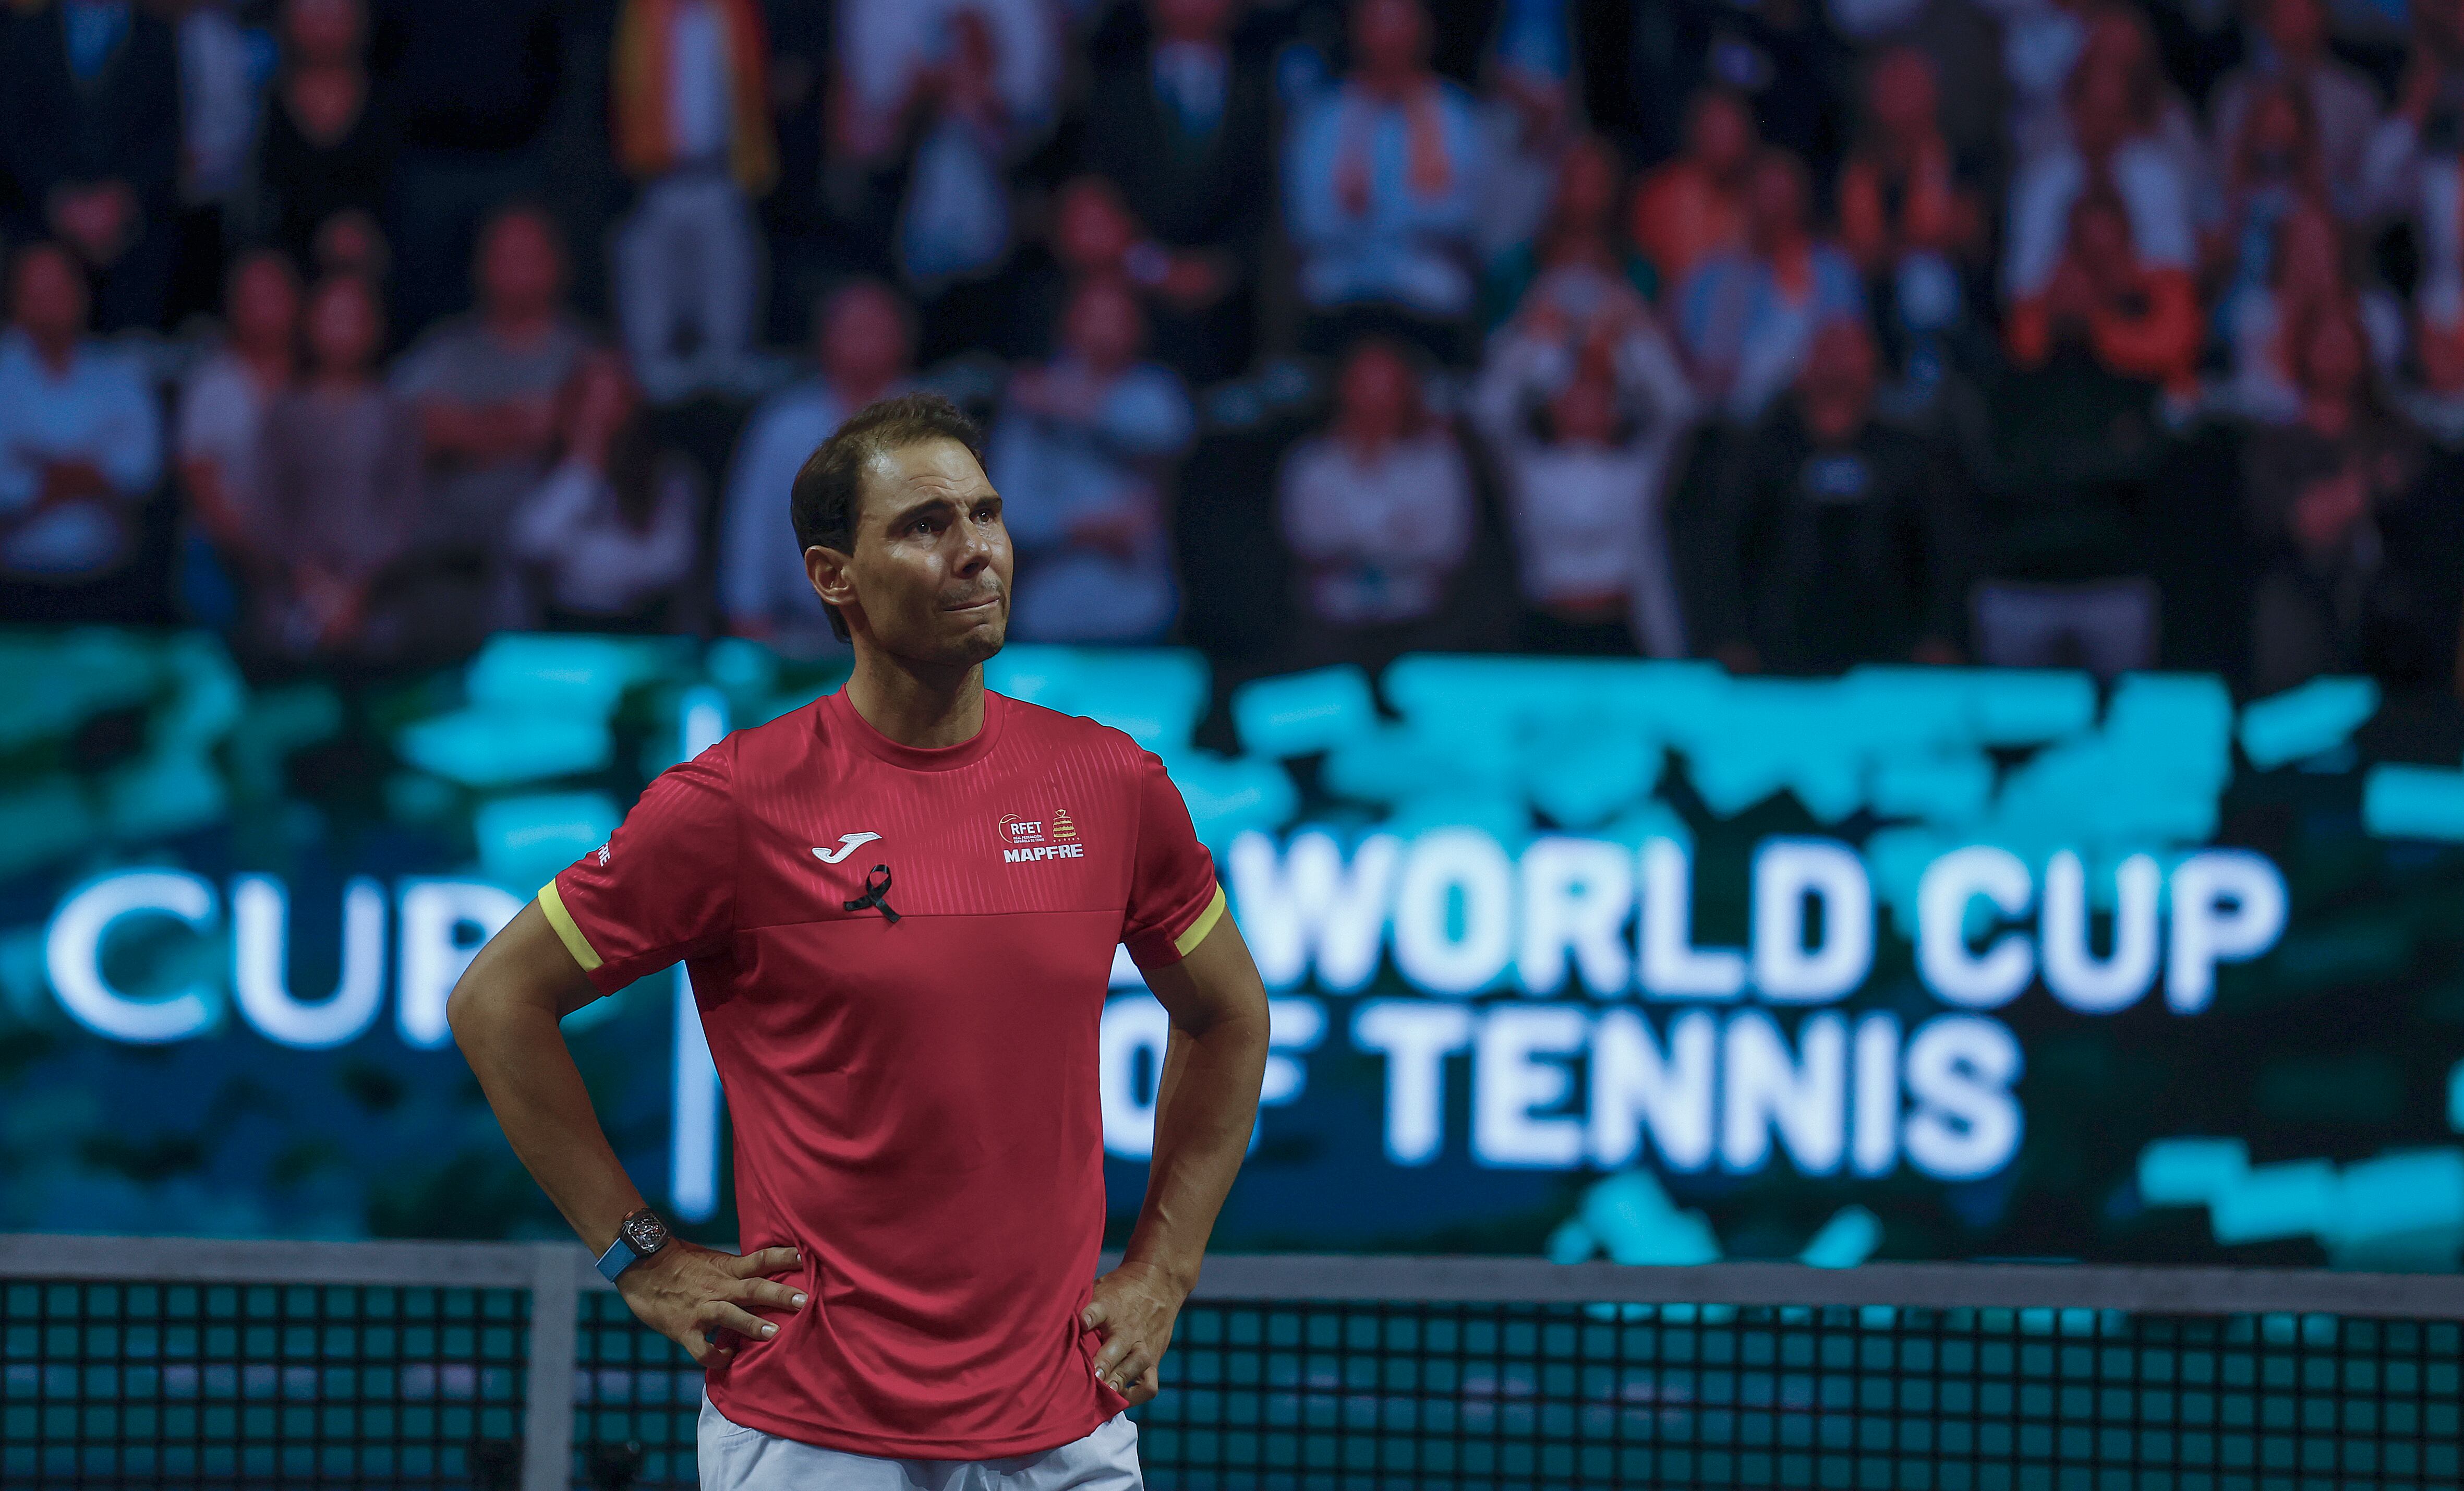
column 901, row 58
column 2292, row 54
column 611, row 538
column 2114, row 103
column 222, row 85
column 1081, row 452
column 972, row 83
column 2273, row 169
column 1836, row 538
column 485, row 387
column 222, row 424
column 2311, row 263
column 470, row 85
column 1378, row 512
column 1527, row 117
column 1574, row 263
column 337, row 498
column 2417, row 164
column 1748, row 315
column 326, row 147
column 2046, row 43
column 1382, row 179
column 692, row 103
column 1185, row 137
column 1693, row 209
column 2317, row 489
column 89, row 129
column 80, row 449
column 1582, row 444
column 1096, row 236
column 2078, row 456
column 863, row 342
column 2136, row 320
column 1909, row 213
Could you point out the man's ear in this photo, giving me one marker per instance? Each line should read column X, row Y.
column 829, row 570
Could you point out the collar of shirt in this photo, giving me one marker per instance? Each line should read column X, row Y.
column 1192, row 77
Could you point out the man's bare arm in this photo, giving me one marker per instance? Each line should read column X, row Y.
column 1206, row 1103
column 504, row 1015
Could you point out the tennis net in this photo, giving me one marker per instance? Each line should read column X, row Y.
column 158, row 1363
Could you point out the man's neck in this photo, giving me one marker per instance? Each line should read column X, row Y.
column 56, row 355
column 920, row 704
column 521, row 330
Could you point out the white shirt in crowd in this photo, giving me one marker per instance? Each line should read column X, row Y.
column 222, row 413
column 1056, row 473
column 99, row 411
column 761, row 579
column 596, row 562
column 1589, row 520
column 1378, row 538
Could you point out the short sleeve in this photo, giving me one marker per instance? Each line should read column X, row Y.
column 664, row 884
column 1173, row 899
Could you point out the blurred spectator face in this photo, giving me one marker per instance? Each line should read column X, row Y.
column 864, row 342
column 1835, row 390
column 1584, row 412
column 351, row 243
column 264, row 309
column 1775, row 200
column 2100, row 242
column 343, row 326
column 1389, row 38
column 1092, row 230
column 47, row 296
column 2297, row 29
column 1588, row 183
column 1193, row 20
column 521, row 267
column 323, row 30
column 1720, row 132
column 2333, row 357
column 2112, row 89
column 1378, row 397
column 2275, row 138
column 2309, row 253
column 1902, row 94
column 1104, row 326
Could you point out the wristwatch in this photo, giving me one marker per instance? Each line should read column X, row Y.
column 638, row 1236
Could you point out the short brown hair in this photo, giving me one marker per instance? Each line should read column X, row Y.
column 825, row 500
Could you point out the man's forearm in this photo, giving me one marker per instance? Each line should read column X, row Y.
column 518, row 1053
column 1206, row 1104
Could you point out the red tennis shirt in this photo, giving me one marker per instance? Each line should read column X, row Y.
column 914, row 1102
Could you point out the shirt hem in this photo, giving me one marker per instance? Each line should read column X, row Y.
column 900, row 1447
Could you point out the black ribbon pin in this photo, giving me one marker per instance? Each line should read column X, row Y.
column 871, row 899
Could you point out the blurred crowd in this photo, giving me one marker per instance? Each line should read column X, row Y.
column 1790, row 333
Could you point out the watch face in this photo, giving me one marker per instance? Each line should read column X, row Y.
column 645, row 1233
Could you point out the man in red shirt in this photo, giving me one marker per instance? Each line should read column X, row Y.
column 899, row 906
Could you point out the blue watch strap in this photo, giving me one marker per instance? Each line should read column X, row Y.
column 619, row 1257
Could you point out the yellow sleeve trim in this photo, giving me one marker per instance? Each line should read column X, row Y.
column 1187, row 942
column 577, row 945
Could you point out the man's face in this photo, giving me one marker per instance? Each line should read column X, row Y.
column 929, row 579
column 864, row 339
column 48, row 298
column 521, row 271
column 1389, row 35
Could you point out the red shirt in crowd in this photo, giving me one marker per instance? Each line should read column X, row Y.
column 914, row 1101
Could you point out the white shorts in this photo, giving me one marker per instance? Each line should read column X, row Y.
column 736, row 1458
